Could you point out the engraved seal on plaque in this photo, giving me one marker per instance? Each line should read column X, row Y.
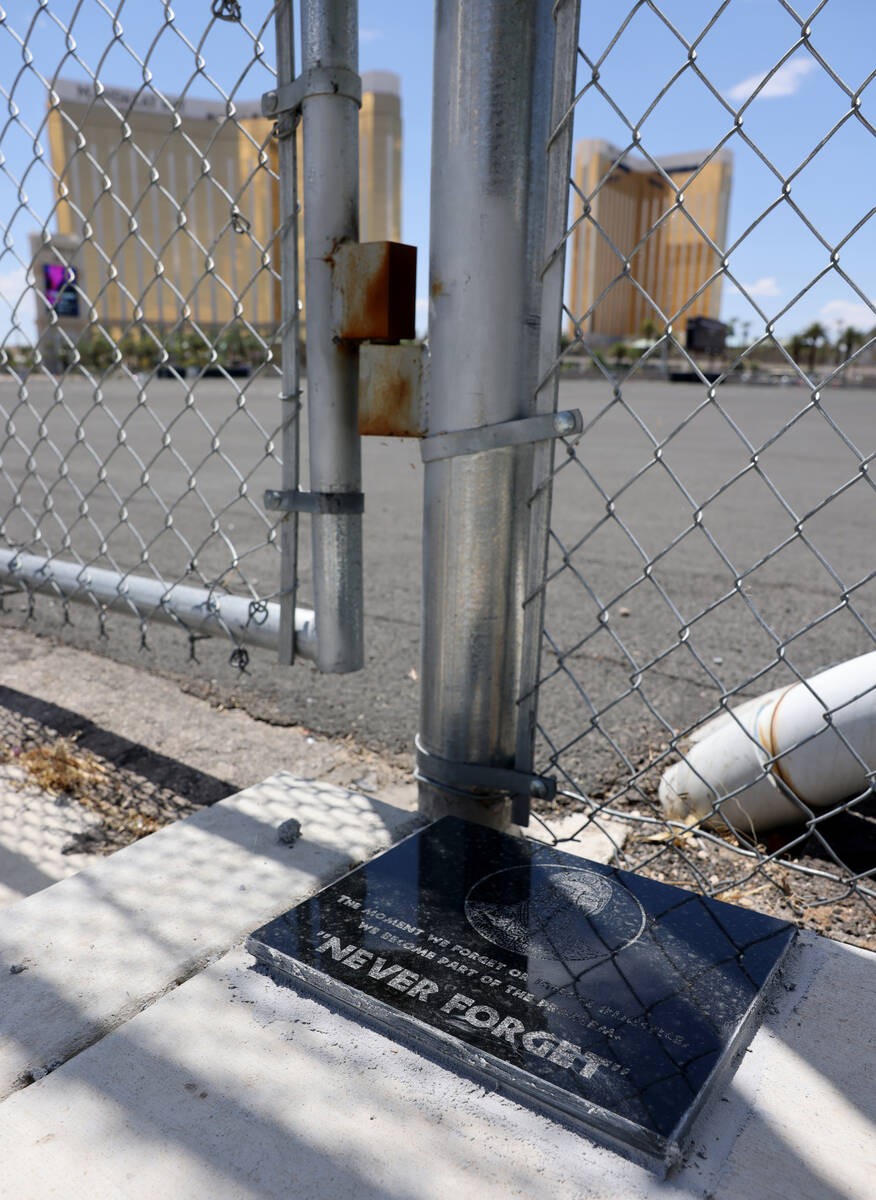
column 555, row 912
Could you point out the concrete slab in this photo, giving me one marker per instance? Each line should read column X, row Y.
column 807, row 1097
column 99, row 946
column 232, row 1086
column 149, row 1059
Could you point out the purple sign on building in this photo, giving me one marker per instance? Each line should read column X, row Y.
column 60, row 289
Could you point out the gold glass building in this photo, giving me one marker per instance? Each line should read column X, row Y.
column 168, row 214
column 627, row 198
column 380, row 141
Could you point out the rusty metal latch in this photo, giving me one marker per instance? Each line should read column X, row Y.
column 314, row 502
column 318, row 81
column 504, row 433
column 393, row 390
column 374, row 291
column 466, row 779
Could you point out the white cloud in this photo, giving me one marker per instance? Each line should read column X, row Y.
column 12, row 284
column 370, row 35
column 785, row 82
column 848, row 312
column 765, row 286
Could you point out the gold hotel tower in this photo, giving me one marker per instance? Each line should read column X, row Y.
column 626, row 200
column 169, row 216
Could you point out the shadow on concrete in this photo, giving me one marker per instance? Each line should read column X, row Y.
column 192, row 785
column 159, row 910
column 806, row 1128
column 18, row 872
column 230, row 1116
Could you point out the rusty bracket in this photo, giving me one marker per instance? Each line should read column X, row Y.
column 467, row 779
column 318, row 81
column 393, row 390
column 504, row 433
column 314, row 502
column 374, row 291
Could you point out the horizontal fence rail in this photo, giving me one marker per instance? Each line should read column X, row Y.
column 198, row 611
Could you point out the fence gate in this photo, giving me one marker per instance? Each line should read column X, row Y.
column 155, row 234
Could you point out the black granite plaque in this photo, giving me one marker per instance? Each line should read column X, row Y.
column 611, row 999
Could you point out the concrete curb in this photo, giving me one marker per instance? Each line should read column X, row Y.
column 100, row 946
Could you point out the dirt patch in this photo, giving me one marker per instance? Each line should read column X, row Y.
column 129, row 806
column 815, row 881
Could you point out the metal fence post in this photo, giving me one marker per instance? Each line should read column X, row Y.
column 490, row 125
column 330, row 40
column 287, row 167
column 567, row 14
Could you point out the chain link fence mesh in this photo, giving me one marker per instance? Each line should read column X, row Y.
column 710, row 534
column 141, row 335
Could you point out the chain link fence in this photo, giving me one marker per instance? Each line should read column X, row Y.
column 141, row 334
column 710, row 533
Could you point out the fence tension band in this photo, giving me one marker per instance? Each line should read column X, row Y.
column 504, row 433
column 335, row 503
column 318, row 81
column 466, row 778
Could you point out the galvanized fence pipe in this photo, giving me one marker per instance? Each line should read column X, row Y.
column 490, row 125
column 329, row 38
column 559, row 159
column 198, row 610
column 287, row 170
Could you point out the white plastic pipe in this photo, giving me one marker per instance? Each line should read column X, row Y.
column 790, row 750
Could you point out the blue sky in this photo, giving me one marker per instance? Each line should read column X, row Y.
column 796, row 109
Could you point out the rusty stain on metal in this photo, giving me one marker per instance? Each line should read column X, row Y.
column 393, row 417
column 375, row 290
column 391, row 391
column 330, row 257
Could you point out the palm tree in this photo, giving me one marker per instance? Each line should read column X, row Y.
column 795, row 347
column 813, row 337
column 849, row 340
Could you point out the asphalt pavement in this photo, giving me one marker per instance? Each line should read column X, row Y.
column 701, row 545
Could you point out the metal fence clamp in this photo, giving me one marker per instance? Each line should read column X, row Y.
column 503, row 433
column 317, row 81
column 295, row 500
column 467, row 779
